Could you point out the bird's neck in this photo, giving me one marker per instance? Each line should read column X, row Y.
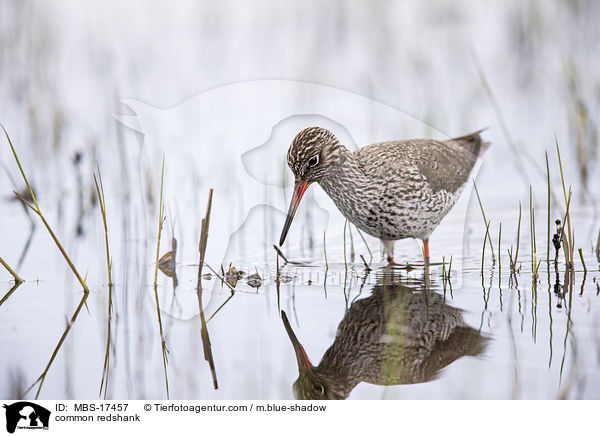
column 343, row 370
column 345, row 183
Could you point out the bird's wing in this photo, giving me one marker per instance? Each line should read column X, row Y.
column 446, row 165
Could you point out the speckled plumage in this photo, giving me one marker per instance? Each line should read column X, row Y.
column 398, row 335
column 391, row 190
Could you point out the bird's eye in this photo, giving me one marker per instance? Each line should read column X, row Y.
column 318, row 388
column 313, row 161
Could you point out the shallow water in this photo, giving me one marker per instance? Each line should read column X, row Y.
column 480, row 333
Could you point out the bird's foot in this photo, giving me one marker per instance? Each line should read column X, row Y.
column 392, row 264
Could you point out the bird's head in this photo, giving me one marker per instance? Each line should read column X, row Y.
column 314, row 154
column 311, row 384
column 315, row 386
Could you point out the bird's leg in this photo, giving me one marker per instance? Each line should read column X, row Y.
column 426, row 262
column 426, row 250
column 389, row 250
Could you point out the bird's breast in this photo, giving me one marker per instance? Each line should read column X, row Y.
column 389, row 207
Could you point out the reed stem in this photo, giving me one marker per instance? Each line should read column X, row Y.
column 486, row 222
column 570, row 236
column 106, row 367
column 102, row 202
column 485, row 238
column 582, row 261
column 161, row 220
column 499, row 256
column 532, row 235
column 367, row 245
column 518, row 238
column 548, row 211
column 204, row 236
column 38, row 211
column 10, row 270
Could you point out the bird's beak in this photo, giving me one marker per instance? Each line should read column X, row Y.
column 304, row 364
column 299, row 189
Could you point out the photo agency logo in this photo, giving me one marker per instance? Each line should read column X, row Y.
column 233, row 141
column 24, row 415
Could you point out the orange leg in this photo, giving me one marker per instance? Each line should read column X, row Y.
column 426, row 249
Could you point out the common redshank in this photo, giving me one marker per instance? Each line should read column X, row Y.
column 398, row 335
column 391, row 190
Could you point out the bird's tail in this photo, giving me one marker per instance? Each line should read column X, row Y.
column 473, row 142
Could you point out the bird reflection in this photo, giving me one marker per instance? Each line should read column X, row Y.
column 400, row 334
